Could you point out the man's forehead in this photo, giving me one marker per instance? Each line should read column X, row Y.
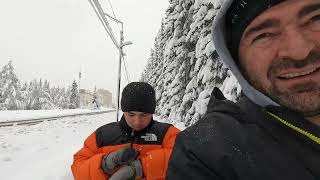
column 239, row 15
column 271, row 17
column 301, row 7
column 242, row 10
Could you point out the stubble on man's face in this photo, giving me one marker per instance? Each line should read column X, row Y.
column 279, row 54
column 302, row 96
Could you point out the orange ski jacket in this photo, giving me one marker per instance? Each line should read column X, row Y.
column 155, row 144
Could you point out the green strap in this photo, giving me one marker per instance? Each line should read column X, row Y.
column 303, row 132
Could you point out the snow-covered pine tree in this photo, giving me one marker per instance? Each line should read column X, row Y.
column 146, row 75
column 9, row 89
column 34, row 95
column 74, row 96
column 24, row 90
column 35, row 103
column 172, row 80
column 54, row 92
column 28, row 98
column 63, row 98
column 45, row 96
column 207, row 71
column 153, row 74
column 180, row 61
column 190, row 66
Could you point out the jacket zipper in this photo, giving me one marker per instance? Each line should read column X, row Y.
column 299, row 130
column 132, row 137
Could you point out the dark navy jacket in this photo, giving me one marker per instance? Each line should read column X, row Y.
column 241, row 141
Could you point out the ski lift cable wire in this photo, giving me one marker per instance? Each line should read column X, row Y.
column 126, row 70
column 104, row 24
column 98, row 10
column 102, row 14
column 114, row 15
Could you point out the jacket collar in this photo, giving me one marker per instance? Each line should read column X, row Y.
column 218, row 103
column 249, row 112
column 256, row 114
column 295, row 119
column 124, row 125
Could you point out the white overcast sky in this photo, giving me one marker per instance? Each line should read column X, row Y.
column 55, row 39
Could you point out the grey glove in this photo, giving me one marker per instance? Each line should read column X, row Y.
column 118, row 158
column 129, row 172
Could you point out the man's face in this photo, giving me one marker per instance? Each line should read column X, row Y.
column 137, row 120
column 279, row 54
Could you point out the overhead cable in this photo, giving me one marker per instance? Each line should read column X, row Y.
column 99, row 12
column 126, row 69
column 114, row 15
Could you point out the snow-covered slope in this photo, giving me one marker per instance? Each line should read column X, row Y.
column 45, row 151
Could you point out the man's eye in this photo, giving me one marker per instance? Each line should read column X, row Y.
column 315, row 18
column 314, row 23
column 263, row 37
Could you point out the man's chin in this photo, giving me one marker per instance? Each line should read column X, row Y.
column 306, row 103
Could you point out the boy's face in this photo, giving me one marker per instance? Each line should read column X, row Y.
column 137, row 120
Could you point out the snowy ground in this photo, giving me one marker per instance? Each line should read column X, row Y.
column 44, row 151
column 31, row 114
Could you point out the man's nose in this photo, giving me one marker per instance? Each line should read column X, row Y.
column 295, row 45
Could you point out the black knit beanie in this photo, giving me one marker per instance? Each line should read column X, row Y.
column 239, row 16
column 138, row 96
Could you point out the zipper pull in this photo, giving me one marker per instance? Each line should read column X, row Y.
column 132, row 133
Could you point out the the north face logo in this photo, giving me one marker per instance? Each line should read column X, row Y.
column 150, row 137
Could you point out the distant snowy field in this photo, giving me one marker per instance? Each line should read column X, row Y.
column 45, row 151
column 33, row 114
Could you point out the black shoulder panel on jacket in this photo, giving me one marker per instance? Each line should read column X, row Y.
column 109, row 134
column 158, row 129
column 112, row 134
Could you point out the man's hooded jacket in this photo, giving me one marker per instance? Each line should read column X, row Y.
column 247, row 140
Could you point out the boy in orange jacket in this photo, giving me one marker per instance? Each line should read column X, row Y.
column 136, row 147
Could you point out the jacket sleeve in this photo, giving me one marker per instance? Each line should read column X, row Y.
column 155, row 164
column 87, row 162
